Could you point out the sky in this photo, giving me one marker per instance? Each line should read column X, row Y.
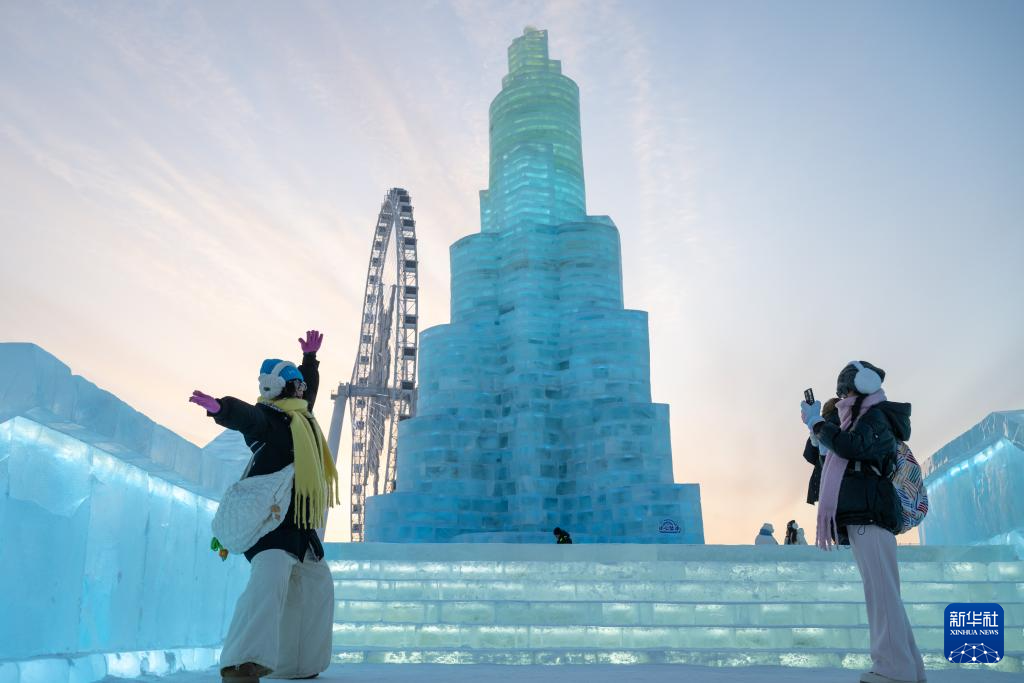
column 187, row 187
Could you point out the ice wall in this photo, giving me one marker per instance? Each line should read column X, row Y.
column 976, row 485
column 39, row 387
column 534, row 406
column 104, row 528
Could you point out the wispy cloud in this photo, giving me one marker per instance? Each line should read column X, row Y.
column 182, row 184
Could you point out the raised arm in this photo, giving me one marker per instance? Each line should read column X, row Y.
column 233, row 413
column 310, row 365
column 812, row 452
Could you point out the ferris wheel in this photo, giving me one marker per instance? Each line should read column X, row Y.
column 382, row 391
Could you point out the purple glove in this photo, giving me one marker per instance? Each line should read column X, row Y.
column 312, row 342
column 203, row 401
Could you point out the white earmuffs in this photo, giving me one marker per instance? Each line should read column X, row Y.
column 272, row 384
column 866, row 381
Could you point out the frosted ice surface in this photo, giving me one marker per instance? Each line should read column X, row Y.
column 718, row 605
column 612, row 671
column 39, row 387
column 87, row 669
column 534, row 407
column 43, row 671
column 105, row 520
column 975, row 485
column 134, row 562
column 224, row 458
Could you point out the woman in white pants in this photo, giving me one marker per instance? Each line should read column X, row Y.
column 284, row 619
column 857, row 505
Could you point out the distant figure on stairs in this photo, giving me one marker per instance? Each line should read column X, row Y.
column 791, row 532
column 764, row 536
column 562, row 536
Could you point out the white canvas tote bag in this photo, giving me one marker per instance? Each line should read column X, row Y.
column 253, row 507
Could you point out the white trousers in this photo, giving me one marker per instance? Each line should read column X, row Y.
column 893, row 650
column 285, row 618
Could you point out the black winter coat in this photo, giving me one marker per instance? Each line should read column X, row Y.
column 866, row 496
column 814, row 457
column 268, row 435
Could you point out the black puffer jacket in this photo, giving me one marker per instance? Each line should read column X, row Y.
column 813, row 455
column 268, row 435
column 866, row 495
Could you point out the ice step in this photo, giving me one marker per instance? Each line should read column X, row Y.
column 670, row 570
column 710, row 605
column 667, row 591
column 619, row 553
column 721, row 657
column 635, row 613
column 509, row 636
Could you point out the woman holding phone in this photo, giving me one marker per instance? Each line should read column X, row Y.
column 858, row 505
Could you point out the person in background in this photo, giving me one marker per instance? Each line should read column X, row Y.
column 858, row 505
column 791, row 529
column 800, row 538
column 562, row 536
column 283, row 621
column 764, row 536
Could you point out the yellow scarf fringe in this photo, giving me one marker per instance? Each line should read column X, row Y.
column 316, row 478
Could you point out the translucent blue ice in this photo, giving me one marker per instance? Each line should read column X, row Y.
column 697, row 604
column 976, row 485
column 534, row 406
column 104, row 528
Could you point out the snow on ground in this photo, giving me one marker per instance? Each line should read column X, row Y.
column 595, row 673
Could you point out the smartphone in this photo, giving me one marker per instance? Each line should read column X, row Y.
column 809, row 396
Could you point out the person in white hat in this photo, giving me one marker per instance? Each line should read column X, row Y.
column 764, row 536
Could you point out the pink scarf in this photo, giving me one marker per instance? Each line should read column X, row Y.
column 835, row 467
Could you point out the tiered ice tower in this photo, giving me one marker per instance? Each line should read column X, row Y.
column 534, row 406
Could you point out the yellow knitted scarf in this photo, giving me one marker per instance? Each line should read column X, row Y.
column 316, row 479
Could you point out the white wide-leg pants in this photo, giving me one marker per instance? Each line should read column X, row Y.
column 893, row 650
column 284, row 619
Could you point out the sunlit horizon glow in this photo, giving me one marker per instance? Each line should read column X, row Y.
column 185, row 189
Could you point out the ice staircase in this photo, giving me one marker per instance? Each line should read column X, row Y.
column 706, row 605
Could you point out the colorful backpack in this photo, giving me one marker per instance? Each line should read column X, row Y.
column 909, row 483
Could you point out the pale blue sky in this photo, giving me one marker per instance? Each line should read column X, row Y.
column 185, row 187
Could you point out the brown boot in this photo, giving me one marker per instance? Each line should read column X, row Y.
column 250, row 672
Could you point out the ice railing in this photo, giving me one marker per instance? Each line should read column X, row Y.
column 105, row 564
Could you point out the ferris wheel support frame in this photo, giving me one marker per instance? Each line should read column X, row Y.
column 382, row 391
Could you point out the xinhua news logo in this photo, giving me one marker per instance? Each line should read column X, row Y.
column 974, row 633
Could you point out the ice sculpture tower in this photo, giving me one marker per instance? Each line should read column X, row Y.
column 535, row 405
